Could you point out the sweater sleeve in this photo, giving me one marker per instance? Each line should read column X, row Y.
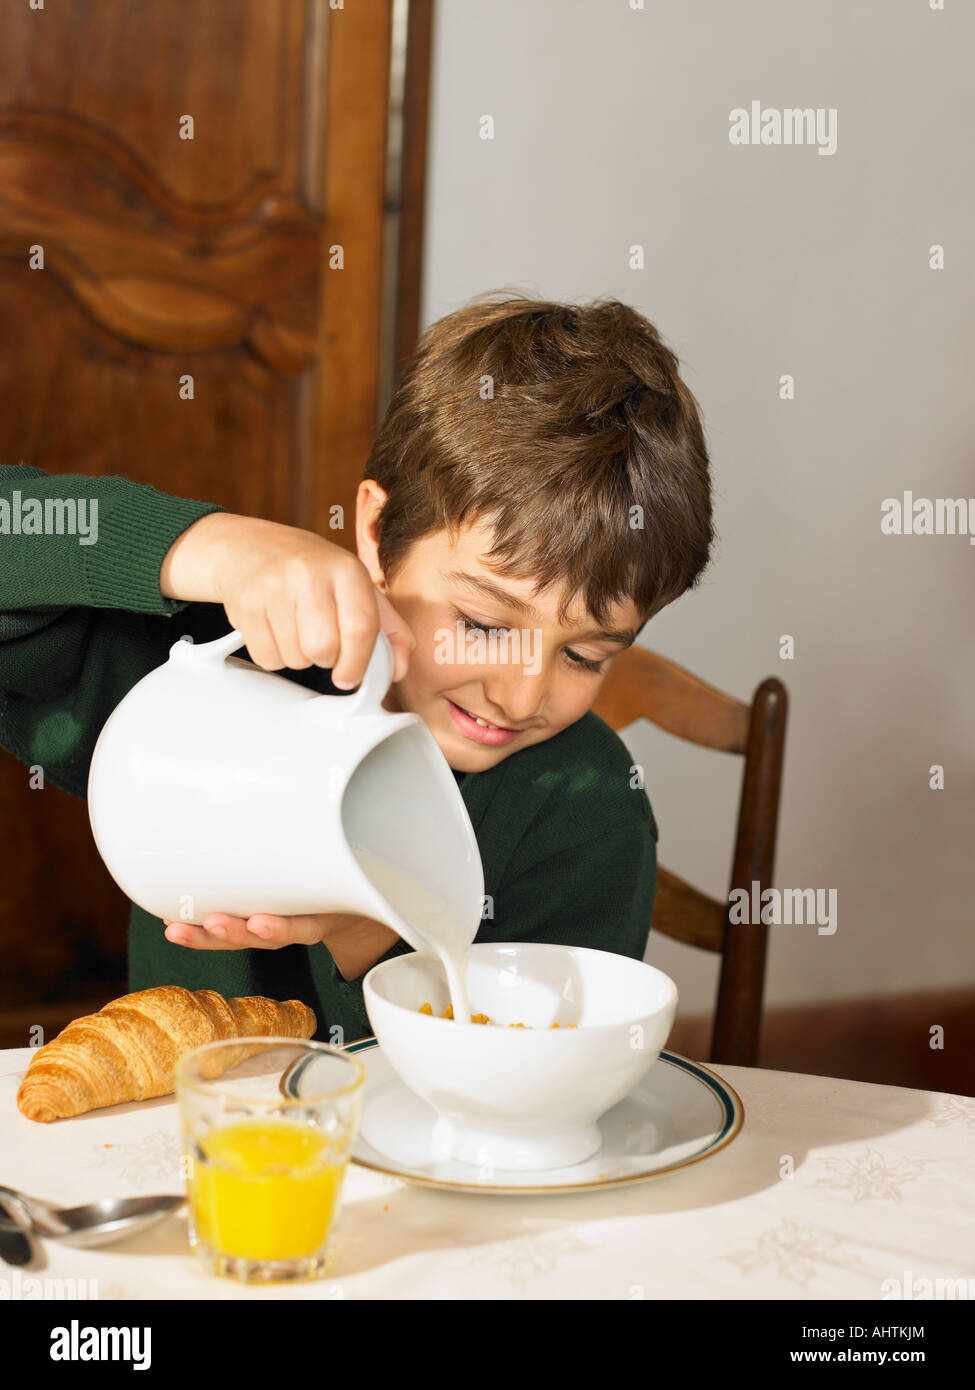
column 599, row 893
column 111, row 539
column 82, row 616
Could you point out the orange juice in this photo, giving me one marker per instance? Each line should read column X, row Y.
column 265, row 1189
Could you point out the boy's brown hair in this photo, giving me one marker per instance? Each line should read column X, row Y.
column 553, row 422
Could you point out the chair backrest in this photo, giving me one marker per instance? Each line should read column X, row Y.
column 643, row 685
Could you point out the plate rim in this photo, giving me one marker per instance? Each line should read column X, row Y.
column 724, row 1092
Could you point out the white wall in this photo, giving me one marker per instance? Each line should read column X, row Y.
column 611, row 128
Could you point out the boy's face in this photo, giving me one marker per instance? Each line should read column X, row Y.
column 529, row 676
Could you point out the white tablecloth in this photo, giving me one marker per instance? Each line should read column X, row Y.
column 832, row 1188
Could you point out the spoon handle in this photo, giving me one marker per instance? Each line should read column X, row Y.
column 16, row 1246
column 29, row 1205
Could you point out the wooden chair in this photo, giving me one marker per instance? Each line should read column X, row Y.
column 643, row 685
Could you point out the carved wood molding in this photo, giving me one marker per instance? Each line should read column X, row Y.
column 160, row 274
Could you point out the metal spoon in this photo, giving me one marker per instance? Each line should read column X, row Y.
column 95, row 1223
column 16, row 1246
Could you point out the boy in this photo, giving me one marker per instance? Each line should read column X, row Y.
column 542, row 472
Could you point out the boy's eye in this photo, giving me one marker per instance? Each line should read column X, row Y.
column 583, row 661
column 572, row 657
column 481, row 627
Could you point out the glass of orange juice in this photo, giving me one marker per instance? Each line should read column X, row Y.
column 267, row 1126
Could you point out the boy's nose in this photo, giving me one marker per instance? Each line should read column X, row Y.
column 518, row 697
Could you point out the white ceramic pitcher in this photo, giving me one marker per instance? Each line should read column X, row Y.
column 216, row 786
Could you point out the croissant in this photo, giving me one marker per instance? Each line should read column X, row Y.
column 128, row 1050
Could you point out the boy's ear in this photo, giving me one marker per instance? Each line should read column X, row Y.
column 369, row 502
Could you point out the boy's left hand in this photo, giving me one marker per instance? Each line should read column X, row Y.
column 355, row 943
column 221, row 932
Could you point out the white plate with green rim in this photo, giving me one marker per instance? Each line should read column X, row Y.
column 678, row 1114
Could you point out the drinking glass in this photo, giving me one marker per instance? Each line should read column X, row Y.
column 267, row 1124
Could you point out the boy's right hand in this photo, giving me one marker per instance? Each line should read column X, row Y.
column 297, row 599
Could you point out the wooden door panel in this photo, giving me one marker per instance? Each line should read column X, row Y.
column 155, row 273
column 125, row 71
column 97, row 405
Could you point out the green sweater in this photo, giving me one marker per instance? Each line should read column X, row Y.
column 568, row 847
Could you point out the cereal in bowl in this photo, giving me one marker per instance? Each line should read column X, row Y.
column 481, row 1018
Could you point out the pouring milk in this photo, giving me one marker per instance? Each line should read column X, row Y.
column 423, row 909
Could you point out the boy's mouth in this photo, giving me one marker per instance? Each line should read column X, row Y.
column 480, row 730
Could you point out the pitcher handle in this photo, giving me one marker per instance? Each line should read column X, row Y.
column 376, row 681
column 372, row 688
column 213, row 651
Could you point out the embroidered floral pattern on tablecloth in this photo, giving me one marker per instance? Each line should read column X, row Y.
column 953, row 1110
column 523, row 1258
column 796, row 1252
column 154, row 1156
column 871, row 1175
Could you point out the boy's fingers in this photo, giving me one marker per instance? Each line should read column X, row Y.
column 187, row 934
column 230, row 932
column 318, row 628
column 264, row 929
column 220, row 932
column 283, row 621
column 358, row 626
column 258, row 639
column 401, row 639
column 303, row 930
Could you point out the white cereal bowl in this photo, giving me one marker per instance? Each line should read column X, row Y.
column 523, row 1098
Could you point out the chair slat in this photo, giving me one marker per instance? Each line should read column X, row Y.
column 686, row 914
column 644, row 685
